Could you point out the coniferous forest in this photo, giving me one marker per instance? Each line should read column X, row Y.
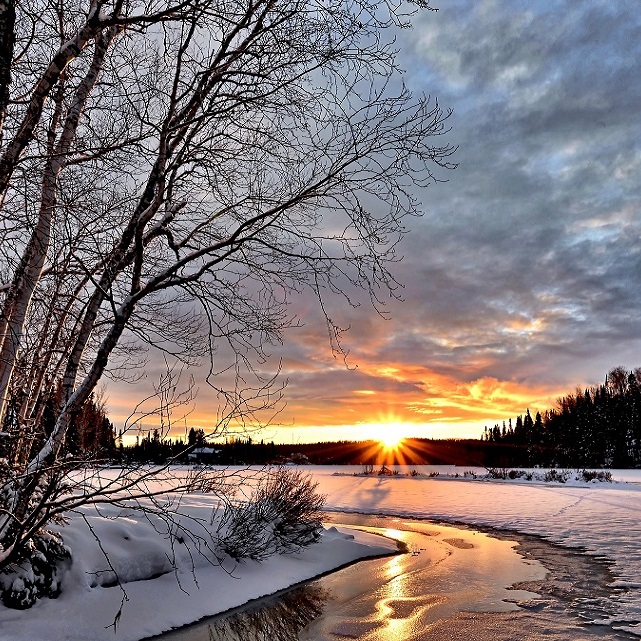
column 596, row 427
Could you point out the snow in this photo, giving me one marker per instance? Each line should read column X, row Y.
column 600, row 517
column 155, row 597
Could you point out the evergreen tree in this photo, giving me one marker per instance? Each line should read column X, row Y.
column 595, row 427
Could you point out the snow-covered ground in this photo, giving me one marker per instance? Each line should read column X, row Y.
column 603, row 518
column 155, row 598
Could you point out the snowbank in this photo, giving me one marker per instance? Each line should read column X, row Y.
column 602, row 518
column 163, row 586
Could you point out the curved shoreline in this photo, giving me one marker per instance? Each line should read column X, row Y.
column 598, row 579
column 528, row 548
column 168, row 635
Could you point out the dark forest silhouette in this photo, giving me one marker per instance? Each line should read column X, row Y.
column 599, row 427
column 596, row 427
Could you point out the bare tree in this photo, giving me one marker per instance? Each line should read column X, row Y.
column 171, row 173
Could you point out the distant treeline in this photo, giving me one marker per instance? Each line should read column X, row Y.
column 596, row 427
column 247, row 451
column 152, row 448
column 412, row 451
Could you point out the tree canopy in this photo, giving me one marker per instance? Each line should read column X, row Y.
column 596, row 427
column 172, row 172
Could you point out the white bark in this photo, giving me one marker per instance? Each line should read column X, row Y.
column 33, row 259
column 206, row 160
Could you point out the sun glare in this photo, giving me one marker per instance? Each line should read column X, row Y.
column 391, row 441
column 389, row 435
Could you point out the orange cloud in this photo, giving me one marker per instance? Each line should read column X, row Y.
column 420, row 398
column 325, row 400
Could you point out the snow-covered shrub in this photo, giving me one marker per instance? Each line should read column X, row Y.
column 596, row 475
column 497, row 473
column 36, row 573
column 283, row 515
column 556, row 476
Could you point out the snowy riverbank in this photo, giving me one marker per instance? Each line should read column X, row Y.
column 153, row 596
column 600, row 517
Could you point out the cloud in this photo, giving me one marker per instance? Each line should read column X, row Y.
column 522, row 278
column 539, row 226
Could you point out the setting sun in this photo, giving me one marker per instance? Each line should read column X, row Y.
column 391, row 441
column 389, row 435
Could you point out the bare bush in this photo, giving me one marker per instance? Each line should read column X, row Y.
column 500, row 473
column 596, row 475
column 556, row 476
column 282, row 515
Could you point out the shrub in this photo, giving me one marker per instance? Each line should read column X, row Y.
column 35, row 574
column 600, row 475
column 283, row 515
column 497, row 472
column 556, row 476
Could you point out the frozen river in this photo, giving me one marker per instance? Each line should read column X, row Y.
column 449, row 586
column 451, row 583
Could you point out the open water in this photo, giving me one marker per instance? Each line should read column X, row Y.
column 450, row 584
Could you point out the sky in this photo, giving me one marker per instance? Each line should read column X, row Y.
column 522, row 279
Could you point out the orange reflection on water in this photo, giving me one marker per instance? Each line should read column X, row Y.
column 398, row 611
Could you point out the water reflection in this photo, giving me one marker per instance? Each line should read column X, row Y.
column 442, row 574
column 451, row 584
column 277, row 618
column 397, row 611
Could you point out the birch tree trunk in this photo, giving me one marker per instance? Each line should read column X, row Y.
column 7, row 40
column 28, row 273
